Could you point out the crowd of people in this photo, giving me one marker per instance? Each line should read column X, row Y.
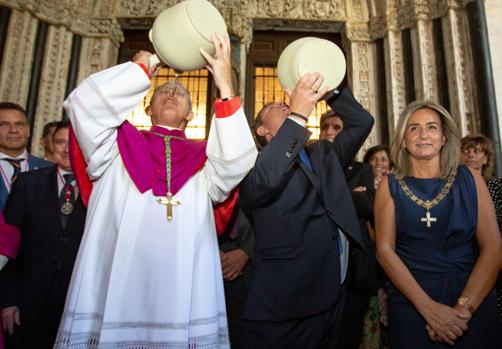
column 123, row 238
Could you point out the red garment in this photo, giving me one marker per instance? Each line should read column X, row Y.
column 9, row 239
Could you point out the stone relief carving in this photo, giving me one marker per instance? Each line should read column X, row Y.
column 100, row 22
column 96, row 54
column 53, row 80
column 455, row 67
column 138, row 7
column 75, row 15
column 360, row 64
column 304, row 9
column 18, row 57
column 466, row 70
column 363, row 74
column 426, row 66
column 395, row 77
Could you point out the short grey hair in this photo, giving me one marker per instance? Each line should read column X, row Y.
column 176, row 85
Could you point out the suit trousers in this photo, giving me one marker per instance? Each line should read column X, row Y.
column 235, row 299
column 321, row 331
column 356, row 306
column 39, row 333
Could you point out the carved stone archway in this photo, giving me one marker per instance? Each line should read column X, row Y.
column 367, row 26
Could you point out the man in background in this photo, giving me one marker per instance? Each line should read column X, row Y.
column 361, row 282
column 45, row 206
column 14, row 158
column 46, row 141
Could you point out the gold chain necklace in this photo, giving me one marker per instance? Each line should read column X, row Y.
column 428, row 204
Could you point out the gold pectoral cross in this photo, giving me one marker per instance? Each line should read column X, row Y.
column 169, row 201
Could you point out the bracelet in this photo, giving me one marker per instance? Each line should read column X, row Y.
column 301, row 116
column 464, row 302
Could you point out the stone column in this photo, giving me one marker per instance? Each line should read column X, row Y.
column 424, row 64
column 457, row 59
column 396, row 100
column 15, row 73
column 53, row 81
column 96, row 54
column 493, row 10
column 359, row 65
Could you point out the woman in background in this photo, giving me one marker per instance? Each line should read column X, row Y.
column 378, row 157
column 477, row 153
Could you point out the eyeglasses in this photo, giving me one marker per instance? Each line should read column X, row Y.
column 174, row 91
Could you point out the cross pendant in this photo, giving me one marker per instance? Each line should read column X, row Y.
column 169, row 201
column 428, row 219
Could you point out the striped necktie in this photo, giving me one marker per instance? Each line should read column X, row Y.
column 16, row 165
column 67, row 197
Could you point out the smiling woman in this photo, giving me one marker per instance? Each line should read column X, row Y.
column 417, row 129
column 437, row 238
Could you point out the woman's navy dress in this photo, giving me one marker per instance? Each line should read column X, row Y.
column 440, row 258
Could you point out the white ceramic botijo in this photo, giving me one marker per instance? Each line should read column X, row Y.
column 311, row 54
column 180, row 31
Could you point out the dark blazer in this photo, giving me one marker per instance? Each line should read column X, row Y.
column 42, row 271
column 362, row 271
column 359, row 174
column 33, row 164
column 296, row 212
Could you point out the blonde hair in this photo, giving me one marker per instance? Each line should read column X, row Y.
column 449, row 154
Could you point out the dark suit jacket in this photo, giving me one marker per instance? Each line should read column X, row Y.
column 296, row 212
column 33, row 164
column 362, row 271
column 44, row 264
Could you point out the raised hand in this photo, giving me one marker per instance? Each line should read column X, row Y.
column 143, row 57
column 305, row 95
column 220, row 65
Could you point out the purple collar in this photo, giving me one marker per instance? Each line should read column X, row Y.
column 143, row 155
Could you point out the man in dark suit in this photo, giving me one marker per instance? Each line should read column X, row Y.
column 304, row 216
column 362, row 281
column 45, row 206
column 14, row 133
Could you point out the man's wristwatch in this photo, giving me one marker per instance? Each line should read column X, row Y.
column 464, row 302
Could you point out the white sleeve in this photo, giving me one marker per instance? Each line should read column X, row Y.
column 231, row 153
column 3, row 261
column 98, row 106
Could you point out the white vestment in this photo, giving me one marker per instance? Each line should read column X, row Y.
column 140, row 281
